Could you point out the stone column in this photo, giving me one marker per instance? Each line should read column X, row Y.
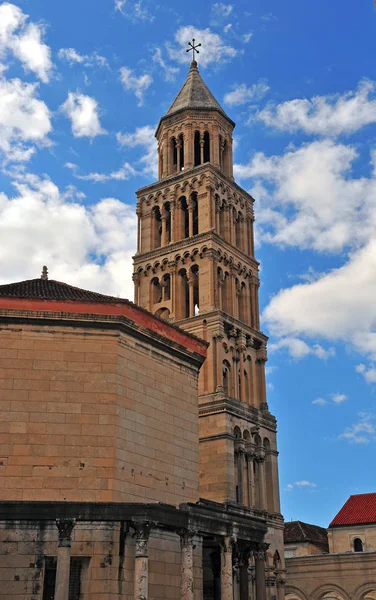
column 259, row 556
column 227, row 590
column 251, row 581
column 136, row 281
column 172, row 217
column 178, row 146
column 201, row 149
column 187, row 578
column 262, row 482
column 65, row 527
column 165, row 157
column 188, row 147
column 251, row 480
column 218, row 348
column 212, row 290
column 211, row 206
column 242, row 349
column 141, row 562
column 240, row 466
column 191, row 296
column 190, row 217
column 164, row 229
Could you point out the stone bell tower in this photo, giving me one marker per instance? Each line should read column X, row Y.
column 195, row 266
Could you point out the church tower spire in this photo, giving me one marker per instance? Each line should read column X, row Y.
column 195, row 266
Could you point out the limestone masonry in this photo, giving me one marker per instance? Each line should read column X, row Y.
column 138, row 455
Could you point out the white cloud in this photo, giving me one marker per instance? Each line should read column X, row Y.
column 125, row 172
column 213, row 50
column 24, row 40
column 369, row 374
column 222, row 10
column 339, row 398
column 361, row 432
column 169, row 71
column 84, row 115
column 247, row 36
column 227, row 28
column 137, row 85
column 145, row 138
column 300, row 484
column 325, row 115
column 81, row 245
column 298, row 348
column 305, row 483
column 24, row 120
column 319, row 402
column 135, row 11
column 242, row 94
column 87, row 60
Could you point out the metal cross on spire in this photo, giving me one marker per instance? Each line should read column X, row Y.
column 193, row 48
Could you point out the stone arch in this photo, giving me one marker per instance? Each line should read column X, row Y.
column 163, row 313
column 293, row 593
column 330, row 592
column 366, row 591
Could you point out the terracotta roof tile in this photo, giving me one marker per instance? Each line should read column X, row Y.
column 297, row 531
column 48, row 289
column 360, row 508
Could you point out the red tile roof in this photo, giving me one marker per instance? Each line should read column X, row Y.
column 297, row 531
column 358, row 509
column 49, row 289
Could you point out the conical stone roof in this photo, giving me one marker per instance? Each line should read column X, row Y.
column 196, row 95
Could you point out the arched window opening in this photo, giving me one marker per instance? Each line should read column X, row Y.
column 222, row 153
column 156, row 291
column 277, row 561
column 156, row 227
column 194, row 213
column 226, row 370
column 181, row 152
column 237, row 431
column 246, row 387
column 183, row 295
column 206, row 147
column 163, row 313
column 257, row 440
column 166, row 284
column 173, row 155
column 226, row 293
column 166, row 214
column 196, row 291
column 358, row 545
column 238, row 230
column 222, row 220
column 268, row 476
column 184, row 215
column 197, row 148
column 243, row 303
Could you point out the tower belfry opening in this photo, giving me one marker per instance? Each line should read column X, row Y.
column 208, row 255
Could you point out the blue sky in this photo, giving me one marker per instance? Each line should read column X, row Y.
column 82, row 87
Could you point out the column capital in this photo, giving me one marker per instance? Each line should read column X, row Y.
column 65, row 528
column 260, row 551
column 186, row 537
column 142, row 533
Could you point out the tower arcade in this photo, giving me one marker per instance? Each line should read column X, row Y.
column 195, row 266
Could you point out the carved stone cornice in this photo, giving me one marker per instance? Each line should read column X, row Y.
column 219, row 403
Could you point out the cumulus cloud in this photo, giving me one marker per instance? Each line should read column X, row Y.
column 241, row 94
column 325, row 115
column 143, row 137
column 213, row 50
column 369, row 374
column 135, row 11
column 298, row 348
column 137, row 85
column 25, row 120
column 83, row 111
column 319, row 402
column 361, row 432
column 222, row 10
column 170, row 72
column 24, row 40
column 301, row 484
column 339, row 398
column 87, row 60
column 125, row 172
column 82, row 245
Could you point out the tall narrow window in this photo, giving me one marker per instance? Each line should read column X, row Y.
column 195, row 213
column 197, row 148
column 156, row 291
column 196, row 290
column 174, row 155
column 75, row 578
column 167, row 214
column 181, row 152
column 156, row 227
column 49, row 581
column 183, row 297
column 358, row 545
column 238, row 230
column 166, row 284
column 184, row 217
column 206, row 147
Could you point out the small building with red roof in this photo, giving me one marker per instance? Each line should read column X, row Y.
column 353, row 529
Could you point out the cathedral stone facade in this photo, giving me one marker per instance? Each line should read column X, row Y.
column 138, row 455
